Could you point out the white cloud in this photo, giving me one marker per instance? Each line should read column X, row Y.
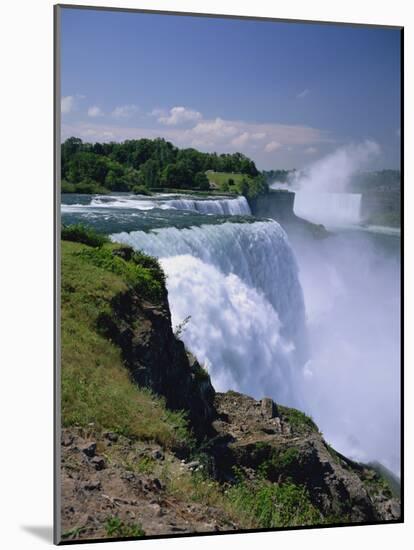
column 241, row 140
column 157, row 112
column 256, row 140
column 67, row 103
column 303, row 93
column 311, row 150
column 259, row 135
column 125, row 111
column 95, row 111
column 177, row 116
column 272, row 146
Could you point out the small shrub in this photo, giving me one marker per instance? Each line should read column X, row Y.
column 280, row 465
column 115, row 527
column 179, row 329
column 67, row 187
column 271, row 505
column 148, row 281
column 79, row 233
column 90, row 187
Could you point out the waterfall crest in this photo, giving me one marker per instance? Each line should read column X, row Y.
column 220, row 206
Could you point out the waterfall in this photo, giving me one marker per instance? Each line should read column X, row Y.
column 224, row 207
column 328, row 208
column 221, row 206
column 239, row 284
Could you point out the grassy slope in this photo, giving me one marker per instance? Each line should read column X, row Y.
column 96, row 387
column 223, row 177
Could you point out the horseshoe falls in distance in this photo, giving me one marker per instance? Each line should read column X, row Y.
column 239, row 284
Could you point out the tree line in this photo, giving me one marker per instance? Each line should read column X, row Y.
column 144, row 164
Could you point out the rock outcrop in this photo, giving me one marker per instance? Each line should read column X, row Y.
column 156, row 358
column 286, row 444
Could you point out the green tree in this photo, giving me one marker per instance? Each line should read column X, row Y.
column 150, row 173
column 201, row 181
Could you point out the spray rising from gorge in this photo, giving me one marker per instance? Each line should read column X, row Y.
column 322, row 189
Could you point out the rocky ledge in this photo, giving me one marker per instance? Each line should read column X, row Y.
column 284, row 444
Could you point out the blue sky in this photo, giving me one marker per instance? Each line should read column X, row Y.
column 284, row 94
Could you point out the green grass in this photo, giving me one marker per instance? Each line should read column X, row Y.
column 141, row 272
column 270, row 505
column 96, row 387
column 222, row 178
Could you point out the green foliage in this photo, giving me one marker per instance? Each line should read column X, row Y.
column 96, row 387
column 242, row 184
column 149, row 172
column 67, row 187
column 141, row 190
column 141, row 272
column 281, row 176
column 115, row 527
column 99, row 167
column 79, row 233
column 299, row 421
column 280, row 464
column 201, row 181
column 270, row 505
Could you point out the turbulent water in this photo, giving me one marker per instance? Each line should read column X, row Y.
column 332, row 209
column 239, row 283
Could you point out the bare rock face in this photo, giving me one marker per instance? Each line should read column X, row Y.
column 157, row 359
column 268, row 408
column 252, row 434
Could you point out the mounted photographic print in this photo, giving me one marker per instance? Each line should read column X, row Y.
column 228, row 281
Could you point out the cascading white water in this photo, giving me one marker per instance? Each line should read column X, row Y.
column 219, row 206
column 224, row 207
column 328, row 208
column 239, row 283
